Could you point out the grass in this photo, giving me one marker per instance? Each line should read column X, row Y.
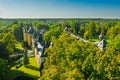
column 19, row 46
column 95, row 40
column 30, row 70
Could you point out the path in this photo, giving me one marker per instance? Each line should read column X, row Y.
column 81, row 39
column 77, row 37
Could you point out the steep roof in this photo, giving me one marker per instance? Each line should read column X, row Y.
column 28, row 29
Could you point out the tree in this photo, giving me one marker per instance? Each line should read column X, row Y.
column 41, row 25
column 104, row 27
column 26, row 59
column 17, row 30
column 74, row 26
column 98, row 29
column 113, row 31
column 3, row 51
column 86, row 35
column 81, row 31
column 91, row 30
column 68, row 55
column 51, row 34
column 10, row 42
column 3, row 69
column 51, row 74
column 115, row 43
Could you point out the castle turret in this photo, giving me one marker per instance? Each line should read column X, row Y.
column 29, row 36
column 28, row 31
column 25, row 37
column 102, row 43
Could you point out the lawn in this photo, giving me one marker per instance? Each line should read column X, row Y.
column 31, row 70
column 19, row 46
column 95, row 40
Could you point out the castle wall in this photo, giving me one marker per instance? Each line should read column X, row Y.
column 25, row 37
column 29, row 37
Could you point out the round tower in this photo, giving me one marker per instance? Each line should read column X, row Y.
column 25, row 37
column 29, row 37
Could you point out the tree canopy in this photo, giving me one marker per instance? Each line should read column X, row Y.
column 9, row 41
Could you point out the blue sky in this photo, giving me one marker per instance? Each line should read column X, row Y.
column 59, row 8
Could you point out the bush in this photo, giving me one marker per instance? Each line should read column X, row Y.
column 3, row 69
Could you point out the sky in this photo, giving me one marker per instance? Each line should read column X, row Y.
column 59, row 8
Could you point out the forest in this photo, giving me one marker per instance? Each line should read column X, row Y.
column 67, row 58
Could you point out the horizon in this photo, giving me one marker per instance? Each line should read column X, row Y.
column 59, row 18
column 105, row 9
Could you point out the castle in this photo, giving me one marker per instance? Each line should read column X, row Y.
column 34, row 39
column 102, row 43
column 28, row 31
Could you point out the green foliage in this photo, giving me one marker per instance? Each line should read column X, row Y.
column 72, row 59
column 104, row 65
column 3, row 50
column 91, row 30
column 113, row 31
column 10, row 42
column 86, row 35
column 51, row 34
column 68, row 58
column 115, row 43
column 41, row 25
column 104, row 27
column 26, row 59
column 67, row 55
column 74, row 26
column 52, row 75
column 98, row 29
column 5, row 26
column 3, row 69
column 17, row 30
column 82, row 30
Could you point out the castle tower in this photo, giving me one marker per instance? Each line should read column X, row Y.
column 29, row 37
column 28, row 31
column 102, row 43
column 25, row 37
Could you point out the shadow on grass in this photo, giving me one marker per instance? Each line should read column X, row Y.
column 32, row 67
column 24, row 78
column 13, row 74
